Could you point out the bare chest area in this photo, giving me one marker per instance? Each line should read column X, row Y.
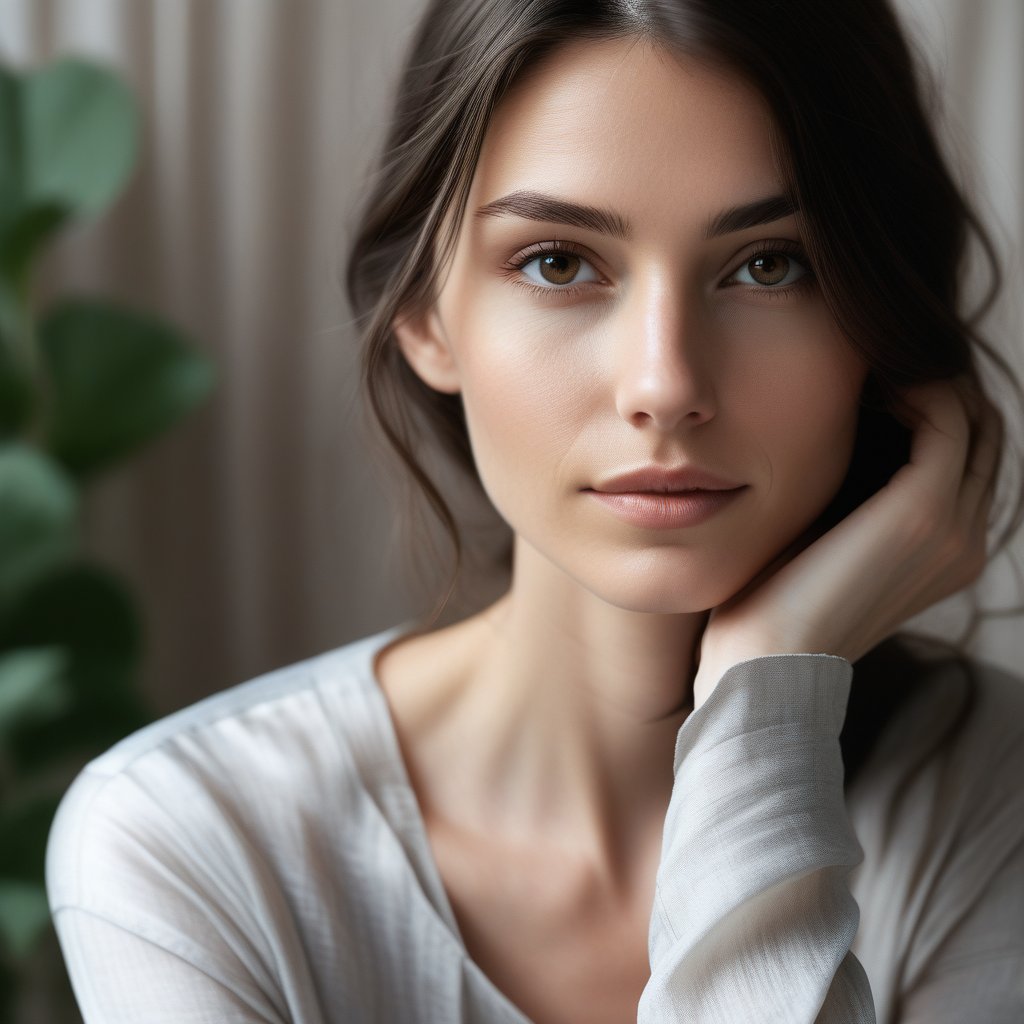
column 544, row 935
column 561, row 944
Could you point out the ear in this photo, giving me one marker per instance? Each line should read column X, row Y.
column 426, row 349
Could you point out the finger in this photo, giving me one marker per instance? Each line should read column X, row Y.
column 980, row 524
column 980, row 475
column 979, row 485
column 941, row 439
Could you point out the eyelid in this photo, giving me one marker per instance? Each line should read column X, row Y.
column 531, row 252
column 787, row 246
column 512, row 268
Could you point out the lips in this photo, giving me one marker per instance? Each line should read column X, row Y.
column 659, row 480
column 672, row 510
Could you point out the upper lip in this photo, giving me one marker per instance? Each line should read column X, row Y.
column 666, row 481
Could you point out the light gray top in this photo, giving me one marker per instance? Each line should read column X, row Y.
column 261, row 857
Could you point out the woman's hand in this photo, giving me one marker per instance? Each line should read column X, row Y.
column 913, row 543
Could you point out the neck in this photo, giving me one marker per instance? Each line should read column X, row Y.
column 561, row 728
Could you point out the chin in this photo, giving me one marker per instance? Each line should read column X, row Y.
column 660, row 589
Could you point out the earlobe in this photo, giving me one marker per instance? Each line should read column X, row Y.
column 426, row 349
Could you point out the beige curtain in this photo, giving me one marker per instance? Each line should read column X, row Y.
column 260, row 531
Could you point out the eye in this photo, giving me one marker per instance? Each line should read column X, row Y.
column 773, row 269
column 556, row 268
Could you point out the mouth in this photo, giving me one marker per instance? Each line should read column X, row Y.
column 653, row 509
column 669, row 494
column 657, row 479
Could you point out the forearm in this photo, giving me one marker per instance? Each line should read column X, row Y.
column 753, row 917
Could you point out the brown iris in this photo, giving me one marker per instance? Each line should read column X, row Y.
column 559, row 268
column 772, row 266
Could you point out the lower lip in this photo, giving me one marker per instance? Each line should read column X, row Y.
column 666, row 511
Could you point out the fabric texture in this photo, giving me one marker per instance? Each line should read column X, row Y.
column 261, row 857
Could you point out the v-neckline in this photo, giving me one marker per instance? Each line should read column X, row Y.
column 416, row 833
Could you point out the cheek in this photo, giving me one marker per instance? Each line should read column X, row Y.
column 805, row 417
column 524, row 393
column 794, row 390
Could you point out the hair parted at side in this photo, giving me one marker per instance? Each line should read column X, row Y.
column 885, row 226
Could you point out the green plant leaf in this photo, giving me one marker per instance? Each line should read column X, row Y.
column 11, row 177
column 78, row 606
column 80, row 135
column 15, row 390
column 68, row 142
column 33, row 687
column 119, row 378
column 88, row 612
column 25, row 234
column 8, row 992
column 11, row 315
column 25, row 824
column 38, row 515
column 24, row 915
column 93, row 725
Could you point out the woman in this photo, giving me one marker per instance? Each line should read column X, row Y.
column 676, row 282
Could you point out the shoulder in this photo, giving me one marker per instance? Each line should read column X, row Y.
column 345, row 671
column 209, row 786
column 938, row 809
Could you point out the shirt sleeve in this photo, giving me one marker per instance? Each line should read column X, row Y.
column 121, row 977
column 753, row 918
column 153, row 924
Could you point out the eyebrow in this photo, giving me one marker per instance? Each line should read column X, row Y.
column 750, row 215
column 538, row 206
column 541, row 207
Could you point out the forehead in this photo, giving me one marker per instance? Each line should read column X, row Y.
column 626, row 124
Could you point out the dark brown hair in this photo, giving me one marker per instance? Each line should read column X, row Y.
column 886, row 228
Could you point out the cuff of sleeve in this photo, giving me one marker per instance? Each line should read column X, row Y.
column 803, row 691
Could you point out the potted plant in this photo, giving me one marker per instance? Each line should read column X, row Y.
column 83, row 384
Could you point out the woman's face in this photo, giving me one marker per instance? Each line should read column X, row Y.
column 660, row 332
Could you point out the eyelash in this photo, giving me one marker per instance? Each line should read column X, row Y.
column 784, row 246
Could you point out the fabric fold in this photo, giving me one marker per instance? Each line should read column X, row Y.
column 753, row 917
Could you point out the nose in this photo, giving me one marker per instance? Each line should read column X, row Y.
column 663, row 374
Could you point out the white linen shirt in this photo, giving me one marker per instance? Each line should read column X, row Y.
column 260, row 858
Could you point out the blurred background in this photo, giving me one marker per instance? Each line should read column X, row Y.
column 262, row 529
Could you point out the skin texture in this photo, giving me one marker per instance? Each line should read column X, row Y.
column 542, row 725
